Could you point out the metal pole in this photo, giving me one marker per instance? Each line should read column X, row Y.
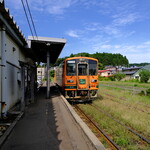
column 48, row 78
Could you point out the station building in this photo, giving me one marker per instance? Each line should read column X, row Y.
column 18, row 58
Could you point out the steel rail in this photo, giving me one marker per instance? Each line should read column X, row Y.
column 109, row 141
column 131, row 130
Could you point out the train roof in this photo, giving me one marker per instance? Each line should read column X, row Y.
column 81, row 57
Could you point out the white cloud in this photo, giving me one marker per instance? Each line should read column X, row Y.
column 105, row 47
column 93, row 26
column 121, row 20
column 51, row 6
column 72, row 33
column 138, row 58
column 134, row 53
column 148, row 42
column 112, row 30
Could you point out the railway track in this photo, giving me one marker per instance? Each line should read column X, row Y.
column 128, row 128
column 98, row 130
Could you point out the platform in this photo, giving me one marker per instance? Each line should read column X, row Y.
column 48, row 125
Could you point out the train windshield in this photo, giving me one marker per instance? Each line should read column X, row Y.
column 92, row 67
column 71, row 68
column 82, row 69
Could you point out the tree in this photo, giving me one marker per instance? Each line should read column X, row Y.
column 52, row 73
column 144, row 76
column 100, row 66
column 119, row 76
column 104, row 58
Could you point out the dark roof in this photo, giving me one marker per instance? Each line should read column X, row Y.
column 147, row 67
column 132, row 68
column 129, row 72
column 40, row 46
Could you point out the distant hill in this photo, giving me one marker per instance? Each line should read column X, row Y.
column 139, row 64
column 104, row 59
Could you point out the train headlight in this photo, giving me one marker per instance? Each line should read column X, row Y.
column 70, row 81
column 93, row 80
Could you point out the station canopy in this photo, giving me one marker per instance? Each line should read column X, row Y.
column 40, row 46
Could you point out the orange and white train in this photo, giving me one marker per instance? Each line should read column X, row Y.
column 78, row 78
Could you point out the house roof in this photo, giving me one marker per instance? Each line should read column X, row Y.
column 147, row 67
column 101, row 71
column 129, row 72
column 130, row 69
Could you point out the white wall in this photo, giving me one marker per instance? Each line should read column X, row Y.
column 14, row 53
column 12, row 84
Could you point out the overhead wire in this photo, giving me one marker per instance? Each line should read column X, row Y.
column 30, row 18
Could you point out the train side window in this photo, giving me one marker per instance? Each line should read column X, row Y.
column 71, row 68
column 92, row 67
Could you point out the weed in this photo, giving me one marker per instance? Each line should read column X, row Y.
column 122, row 141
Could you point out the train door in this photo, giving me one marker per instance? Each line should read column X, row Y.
column 82, row 76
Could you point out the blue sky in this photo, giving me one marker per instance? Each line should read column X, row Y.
column 113, row 26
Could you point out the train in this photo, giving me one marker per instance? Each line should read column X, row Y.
column 78, row 78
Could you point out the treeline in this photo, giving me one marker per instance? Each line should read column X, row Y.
column 104, row 59
column 139, row 64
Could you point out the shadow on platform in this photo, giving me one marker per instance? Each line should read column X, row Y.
column 37, row 130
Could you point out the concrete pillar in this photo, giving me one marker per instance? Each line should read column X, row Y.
column 32, row 85
column 22, row 87
column 48, row 78
column 3, row 70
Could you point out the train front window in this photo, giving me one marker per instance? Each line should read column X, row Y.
column 92, row 67
column 82, row 69
column 71, row 68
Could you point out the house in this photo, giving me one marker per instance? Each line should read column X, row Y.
column 111, row 68
column 129, row 72
column 105, row 73
column 136, row 74
column 41, row 74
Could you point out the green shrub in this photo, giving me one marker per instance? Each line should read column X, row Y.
column 112, row 78
column 122, row 141
column 100, row 78
column 148, row 92
column 144, row 76
column 52, row 72
column 119, row 76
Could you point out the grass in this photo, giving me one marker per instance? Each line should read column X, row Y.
column 124, row 83
column 131, row 110
column 125, row 94
column 118, row 133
